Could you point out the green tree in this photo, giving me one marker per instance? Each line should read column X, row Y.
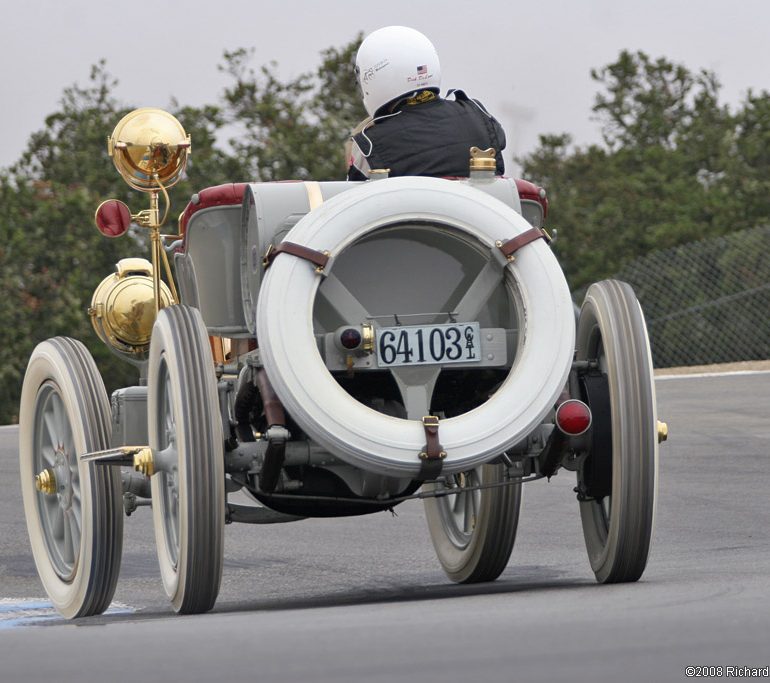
column 657, row 204
column 52, row 257
column 646, row 102
column 660, row 179
column 51, row 252
column 747, row 175
column 294, row 129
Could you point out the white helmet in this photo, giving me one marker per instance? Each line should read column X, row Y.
column 394, row 62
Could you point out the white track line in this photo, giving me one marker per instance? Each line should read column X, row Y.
column 31, row 611
column 700, row 375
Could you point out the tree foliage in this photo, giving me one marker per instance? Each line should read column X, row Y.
column 52, row 257
column 297, row 128
column 676, row 166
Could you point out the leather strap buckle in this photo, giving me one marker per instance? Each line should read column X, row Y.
column 318, row 258
column 432, row 454
column 267, row 259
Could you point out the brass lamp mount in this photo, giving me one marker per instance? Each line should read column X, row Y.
column 149, row 148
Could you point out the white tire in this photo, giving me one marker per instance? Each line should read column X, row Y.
column 473, row 532
column 379, row 442
column 618, row 509
column 76, row 534
column 185, row 427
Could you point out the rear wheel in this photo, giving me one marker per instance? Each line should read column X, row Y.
column 75, row 522
column 186, row 439
column 473, row 531
column 618, row 479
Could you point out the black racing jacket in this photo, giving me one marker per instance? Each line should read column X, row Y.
column 430, row 139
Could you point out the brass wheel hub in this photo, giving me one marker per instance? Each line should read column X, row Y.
column 144, row 462
column 45, row 482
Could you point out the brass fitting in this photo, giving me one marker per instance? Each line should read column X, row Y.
column 144, row 462
column 367, row 335
column 483, row 159
column 45, row 482
column 662, row 431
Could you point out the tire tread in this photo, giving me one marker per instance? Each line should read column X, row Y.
column 622, row 555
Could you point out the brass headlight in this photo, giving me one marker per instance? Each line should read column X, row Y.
column 147, row 143
column 123, row 308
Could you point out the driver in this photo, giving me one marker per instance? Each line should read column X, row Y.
column 412, row 130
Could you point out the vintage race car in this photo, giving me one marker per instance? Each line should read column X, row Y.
column 334, row 349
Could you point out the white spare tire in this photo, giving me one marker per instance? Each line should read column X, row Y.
column 379, row 442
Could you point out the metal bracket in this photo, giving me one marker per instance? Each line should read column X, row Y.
column 122, row 456
column 277, row 434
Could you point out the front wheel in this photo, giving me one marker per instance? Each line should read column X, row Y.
column 618, row 480
column 185, row 433
column 73, row 508
column 473, row 531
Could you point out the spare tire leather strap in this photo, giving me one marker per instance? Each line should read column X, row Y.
column 432, row 454
column 318, row 258
column 513, row 245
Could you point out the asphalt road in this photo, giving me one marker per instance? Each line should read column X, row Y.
column 364, row 599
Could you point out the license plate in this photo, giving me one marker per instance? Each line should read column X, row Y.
column 428, row 344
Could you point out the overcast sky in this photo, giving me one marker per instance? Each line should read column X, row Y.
column 528, row 61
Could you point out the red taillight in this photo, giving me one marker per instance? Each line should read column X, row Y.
column 350, row 338
column 573, row 417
